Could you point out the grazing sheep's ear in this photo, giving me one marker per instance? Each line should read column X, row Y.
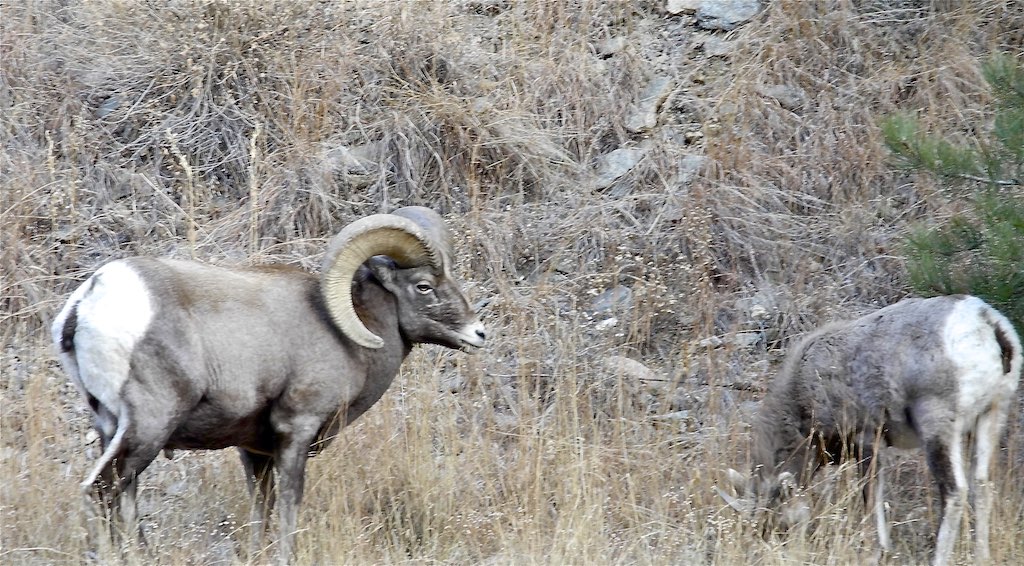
column 741, row 484
column 794, row 508
column 795, row 512
column 742, row 506
column 787, row 484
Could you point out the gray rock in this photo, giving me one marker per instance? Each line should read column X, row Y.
column 616, row 164
column 747, row 411
column 745, row 339
column 611, row 46
column 789, row 97
column 726, row 15
column 676, row 7
column 340, row 159
column 631, row 369
column 711, row 342
column 690, row 166
column 645, row 110
column 108, row 106
column 716, row 47
column 614, row 299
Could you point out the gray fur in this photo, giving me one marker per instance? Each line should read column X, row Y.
column 250, row 358
column 890, row 379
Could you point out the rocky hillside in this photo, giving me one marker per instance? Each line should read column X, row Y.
column 652, row 199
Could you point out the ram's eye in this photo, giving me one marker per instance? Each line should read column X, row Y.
column 423, row 287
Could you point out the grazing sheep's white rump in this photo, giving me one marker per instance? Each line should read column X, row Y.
column 969, row 344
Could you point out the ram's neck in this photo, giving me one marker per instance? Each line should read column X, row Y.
column 378, row 310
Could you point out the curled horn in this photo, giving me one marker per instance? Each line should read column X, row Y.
column 411, row 236
column 741, row 484
column 436, row 231
column 738, row 505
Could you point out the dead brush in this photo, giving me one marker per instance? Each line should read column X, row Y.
column 295, row 117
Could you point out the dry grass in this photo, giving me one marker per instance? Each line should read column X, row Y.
column 250, row 132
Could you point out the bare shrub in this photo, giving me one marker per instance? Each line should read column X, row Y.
column 241, row 132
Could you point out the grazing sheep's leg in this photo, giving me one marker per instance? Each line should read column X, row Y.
column 136, row 459
column 259, row 476
column 101, row 507
column 150, row 420
column 110, row 493
column 987, row 433
column 871, row 471
column 945, row 460
column 877, row 488
column 941, row 435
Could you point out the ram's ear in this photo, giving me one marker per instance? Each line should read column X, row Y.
column 383, row 268
column 795, row 512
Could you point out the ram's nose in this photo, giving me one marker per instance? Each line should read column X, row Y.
column 474, row 335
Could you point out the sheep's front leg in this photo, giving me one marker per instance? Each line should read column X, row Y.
column 881, row 523
column 291, row 469
column 871, row 469
column 259, row 476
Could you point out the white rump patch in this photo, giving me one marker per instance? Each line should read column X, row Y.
column 970, row 342
column 57, row 333
column 113, row 315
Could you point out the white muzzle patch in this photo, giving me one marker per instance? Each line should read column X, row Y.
column 473, row 335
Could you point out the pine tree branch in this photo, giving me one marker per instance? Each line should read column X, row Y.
column 999, row 182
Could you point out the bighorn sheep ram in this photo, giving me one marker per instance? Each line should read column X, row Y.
column 181, row 355
column 919, row 373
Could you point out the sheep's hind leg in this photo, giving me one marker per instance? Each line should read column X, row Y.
column 135, row 462
column 945, row 460
column 988, row 431
column 100, row 492
column 109, row 494
column 875, row 497
column 941, row 433
column 147, row 438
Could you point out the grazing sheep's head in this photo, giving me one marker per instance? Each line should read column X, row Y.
column 409, row 252
column 773, row 501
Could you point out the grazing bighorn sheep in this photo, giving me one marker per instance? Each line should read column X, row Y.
column 174, row 354
column 921, row 372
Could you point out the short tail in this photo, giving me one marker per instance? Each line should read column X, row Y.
column 1009, row 343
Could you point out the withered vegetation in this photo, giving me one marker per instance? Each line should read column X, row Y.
column 238, row 132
